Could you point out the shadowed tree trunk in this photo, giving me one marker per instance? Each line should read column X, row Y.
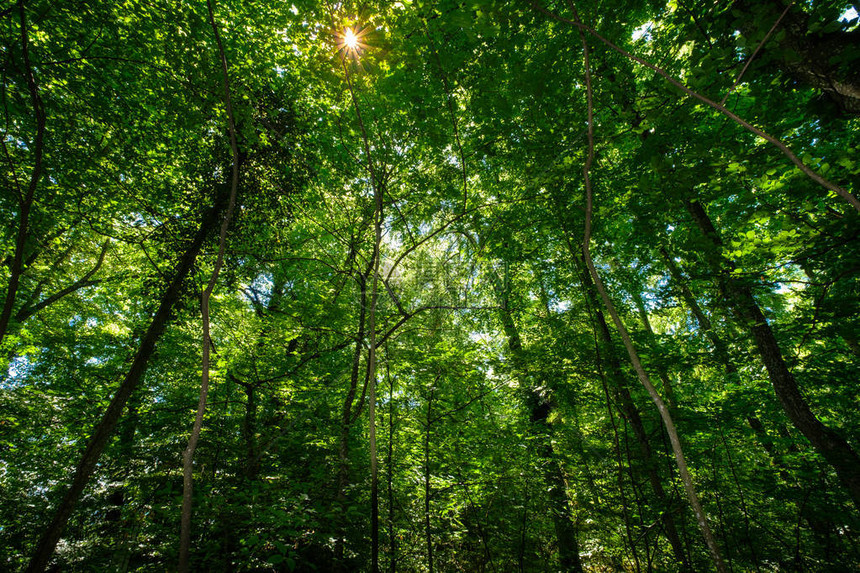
column 824, row 60
column 540, row 407
column 721, row 349
column 104, row 429
column 428, row 489
column 633, row 417
column 392, row 540
column 25, row 196
column 739, row 296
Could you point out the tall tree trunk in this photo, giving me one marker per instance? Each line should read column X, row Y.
column 723, row 357
column 103, row 431
column 25, row 197
column 188, row 454
column 378, row 186
column 616, row 442
column 633, row 417
column 428, row 487
column 835, row 450
column 674, row 438
column 540, row 407
column 721, row 349
column 392, row 540
column 628, row 407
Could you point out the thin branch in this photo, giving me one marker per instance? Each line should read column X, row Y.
column 188, row 454
column 755, row 53
column 82, row 282
column 409, row 315
column 827, row 184
column 683, row 471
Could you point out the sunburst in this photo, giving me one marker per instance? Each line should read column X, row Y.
column 350, row 41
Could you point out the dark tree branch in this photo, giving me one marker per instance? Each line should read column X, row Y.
column 82, row 282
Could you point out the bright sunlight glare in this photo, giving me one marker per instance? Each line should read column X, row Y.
column 350, row 39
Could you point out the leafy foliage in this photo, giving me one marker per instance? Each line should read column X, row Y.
column 510, row 432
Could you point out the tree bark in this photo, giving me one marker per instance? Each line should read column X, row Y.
column 806, row 55
column 188, row 454
column 25, row 198
column 392, row 540
column 835, row 450
column 103, row 431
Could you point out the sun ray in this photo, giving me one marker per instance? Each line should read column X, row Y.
column 350, row 41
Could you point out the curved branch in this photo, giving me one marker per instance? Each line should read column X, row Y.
column 188, row 454
column 826, row 183
column 680, row 461
column 82, row 282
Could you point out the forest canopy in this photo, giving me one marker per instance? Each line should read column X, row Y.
column 430, row 285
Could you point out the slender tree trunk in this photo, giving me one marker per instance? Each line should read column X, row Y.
column 631, row 413
column 371, row 398
column 480, row 528
column 103, row 431
column 616, row 442
column 835, row 450
column 392, row 540
column 25, row 197
column 428, row 488
column 521, row 554
column 748, row 538
column 680, row 460
column 721, row 349
column 378, row 186
column 188, row 455
column 628, row 407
